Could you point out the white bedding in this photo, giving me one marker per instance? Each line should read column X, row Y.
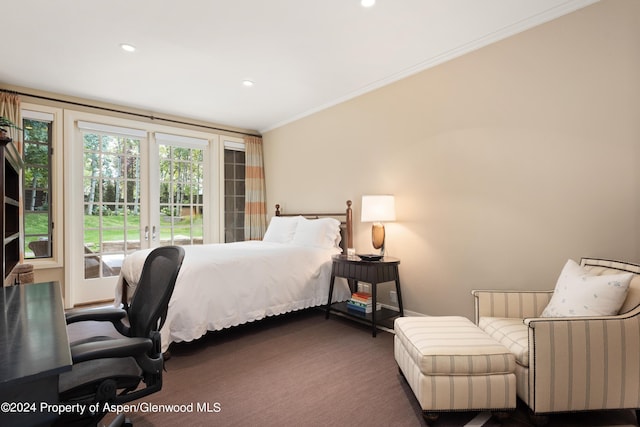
column 224, row 285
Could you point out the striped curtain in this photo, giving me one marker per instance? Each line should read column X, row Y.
column 255, row 209
column 10, row 109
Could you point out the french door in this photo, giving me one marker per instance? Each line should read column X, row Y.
column 130, row 189
column 110, row 203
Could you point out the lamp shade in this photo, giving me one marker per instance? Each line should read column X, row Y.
column 378, row 208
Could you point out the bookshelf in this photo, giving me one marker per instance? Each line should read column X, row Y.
column 10, row 164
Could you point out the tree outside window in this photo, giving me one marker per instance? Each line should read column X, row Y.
column 38, row 227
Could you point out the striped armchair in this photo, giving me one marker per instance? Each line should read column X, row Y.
column 571, row 363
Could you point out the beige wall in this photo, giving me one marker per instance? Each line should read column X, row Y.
column 504, row 162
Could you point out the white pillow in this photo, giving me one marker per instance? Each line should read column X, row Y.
column 281, row 229
column 320, row 233
column 578, row 293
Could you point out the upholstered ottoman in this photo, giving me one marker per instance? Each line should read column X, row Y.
column 452, row 365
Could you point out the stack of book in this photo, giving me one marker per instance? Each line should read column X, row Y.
column 361, row 302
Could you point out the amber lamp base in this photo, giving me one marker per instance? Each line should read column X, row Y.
column 377, row 237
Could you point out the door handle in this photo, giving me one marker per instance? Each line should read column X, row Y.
column 146, row 232
column 153, row 233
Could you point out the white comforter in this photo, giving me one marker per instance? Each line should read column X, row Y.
column 224, row 285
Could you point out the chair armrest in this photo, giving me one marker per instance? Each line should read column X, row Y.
column 583, row 363
column 104, row 314
column 120, row 347
column 509, row 303
column 533, row 322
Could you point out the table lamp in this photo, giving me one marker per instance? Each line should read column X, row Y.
column 377, row 209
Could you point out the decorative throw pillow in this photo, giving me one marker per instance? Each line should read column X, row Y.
column 578, row 293
column 281, row 229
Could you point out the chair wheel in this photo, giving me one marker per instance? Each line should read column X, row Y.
column 430, row 417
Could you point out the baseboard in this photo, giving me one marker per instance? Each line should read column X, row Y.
column 406, row 312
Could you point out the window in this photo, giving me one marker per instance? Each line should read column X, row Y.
column 234, row 164
column 37, row 190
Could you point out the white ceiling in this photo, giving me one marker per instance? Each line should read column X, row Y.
column 192, row 55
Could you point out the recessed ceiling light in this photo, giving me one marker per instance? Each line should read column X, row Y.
column 367, row 3
column 247, row 83
column 128, row 47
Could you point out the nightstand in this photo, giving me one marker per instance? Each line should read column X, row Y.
column 374, row 272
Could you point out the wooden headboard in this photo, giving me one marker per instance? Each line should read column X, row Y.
column 345, row 218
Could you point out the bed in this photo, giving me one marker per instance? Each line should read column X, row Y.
column 227, row 284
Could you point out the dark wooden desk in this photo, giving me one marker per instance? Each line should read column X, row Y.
column 374, row 272
column 34, row 350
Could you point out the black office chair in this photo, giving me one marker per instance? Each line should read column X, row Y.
column 110, row 368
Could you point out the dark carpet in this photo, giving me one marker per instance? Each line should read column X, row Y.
column 302, row 370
